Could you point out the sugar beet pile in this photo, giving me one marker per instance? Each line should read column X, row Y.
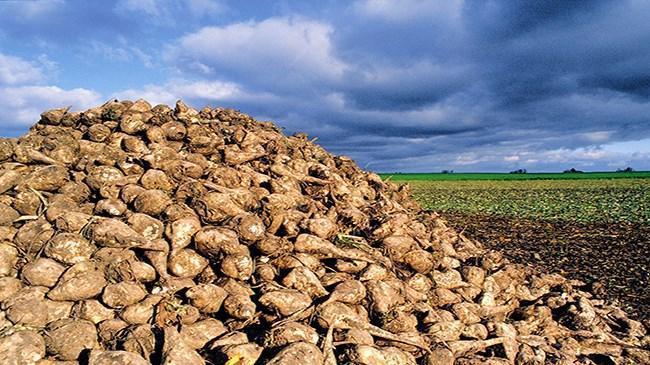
column 135, row 235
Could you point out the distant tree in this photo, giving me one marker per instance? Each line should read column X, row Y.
column 447, row 171
column 627, row 169
column 572, row 171
column 519, row 171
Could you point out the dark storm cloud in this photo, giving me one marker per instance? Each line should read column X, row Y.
column 404, row 88
column 583, row 47
column 512, row 19
column 638, row 85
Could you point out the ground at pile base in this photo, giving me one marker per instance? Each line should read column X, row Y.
column 613, row 258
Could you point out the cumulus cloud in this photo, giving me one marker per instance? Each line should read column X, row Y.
column 291, row 53
column 22, row 105
column 24, row 11
column 152, row 8
column 15, row 70
column 197, row 91
column 408, row 10
column 24, row 93
column 166, row 12
column 121, row 53
column 200, row 8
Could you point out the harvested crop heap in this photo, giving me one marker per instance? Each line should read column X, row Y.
column 131, row 234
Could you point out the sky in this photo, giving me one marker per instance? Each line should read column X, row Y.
column 408, row 85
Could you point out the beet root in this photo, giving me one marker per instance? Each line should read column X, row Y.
column 67, row 338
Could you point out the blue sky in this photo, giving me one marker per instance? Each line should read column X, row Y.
column 409, row 85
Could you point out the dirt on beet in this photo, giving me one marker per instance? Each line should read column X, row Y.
column 613, row 259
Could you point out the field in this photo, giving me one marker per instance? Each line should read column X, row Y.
column 594, row 200
column 595, row 229
column 528, row 176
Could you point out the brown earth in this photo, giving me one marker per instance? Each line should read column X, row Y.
column 613, row 259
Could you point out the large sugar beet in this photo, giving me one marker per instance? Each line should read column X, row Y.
column 217, row 207
column 22, row 347
column 151, row 202
column 8, row 287
column 94, row 311
column 208, row 298
column 114, row 233
column 198, row 334
column 8, row 258
column 29, row 307
column 33, row 235
column 67, row 338
column 9, row 179
column 81, row 281
column 177, row 352
column 285, row 302
column 69, row 248
column 298, row 353
column 122, row 294
column 47, row 178
column 42, row 272
column 99, row 357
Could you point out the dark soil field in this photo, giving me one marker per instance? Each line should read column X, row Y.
column 612, row 258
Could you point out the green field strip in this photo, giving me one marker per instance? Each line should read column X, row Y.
column 506, row 176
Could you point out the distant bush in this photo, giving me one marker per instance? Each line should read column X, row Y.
column 627, row 169
column 447, row 171
column 572, row 171
column 519, row 171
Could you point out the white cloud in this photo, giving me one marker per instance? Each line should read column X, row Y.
column 24, row 95
column 642, row 146
column 47, row 65
column 276, row 52
column 467, row 158
column 200, row 8
column 591, row 154
column 580, row 155
column 120, row 53
column 406, row 10
column 29, row 10
column 209, row 90
column 200, row 91
column 155, row 94
column 15, row 70
column 22, row 105
column 168, row 12
column 597, row 137
column 147, row 7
